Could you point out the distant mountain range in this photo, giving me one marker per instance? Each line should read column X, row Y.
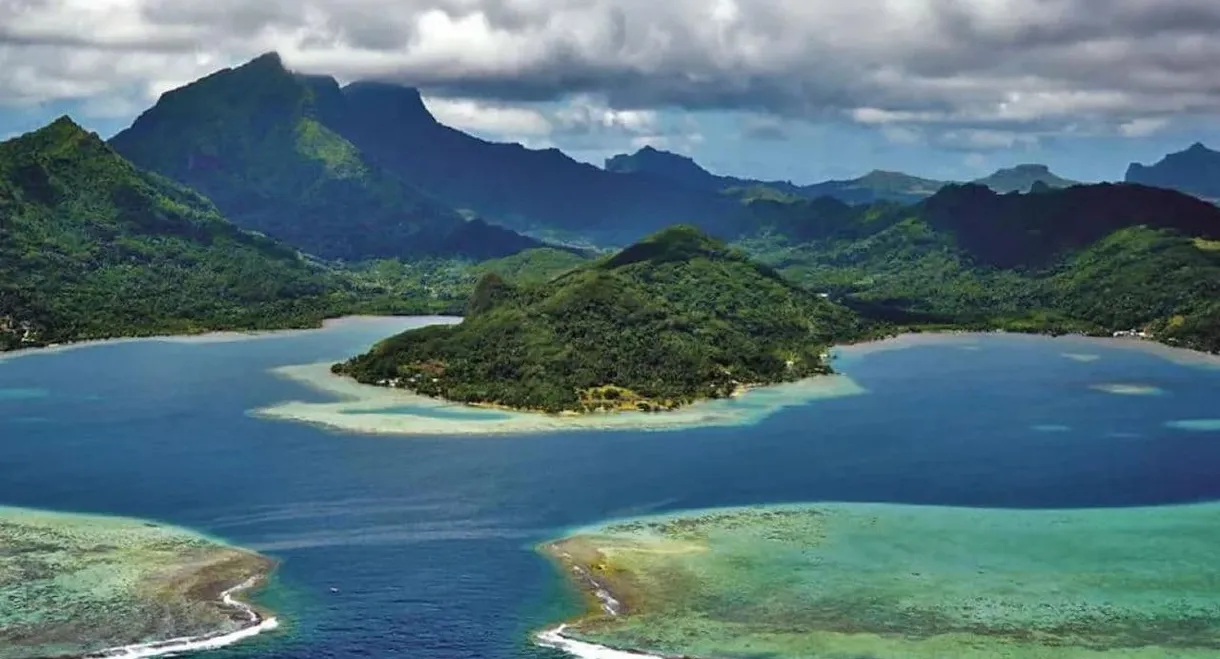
column 536, row 191
column 256, row 197
column 878, row 185
column 1195, row 171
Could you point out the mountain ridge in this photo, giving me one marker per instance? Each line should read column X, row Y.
column 1194, row 170
column 256, row 140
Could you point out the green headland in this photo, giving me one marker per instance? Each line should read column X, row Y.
column 72, row 585
column 902, row 582
column 676, row 318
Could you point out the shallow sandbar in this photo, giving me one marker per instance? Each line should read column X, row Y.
column 1121, row 389
column 897, row 582
column 380, row 410
column 1196, row 425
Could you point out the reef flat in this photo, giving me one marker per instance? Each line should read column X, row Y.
column 74, row 585
column 370, row 409
column 900, row 582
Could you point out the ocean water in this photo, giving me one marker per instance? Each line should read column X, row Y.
column 429, row 542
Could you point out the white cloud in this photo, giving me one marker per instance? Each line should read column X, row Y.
column 476, row 116
column 586, row 113
column 1143, row 126
column 1007, row 66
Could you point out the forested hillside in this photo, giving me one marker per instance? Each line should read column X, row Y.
column 1097, row 258
column 669, row 320
column 92, row 247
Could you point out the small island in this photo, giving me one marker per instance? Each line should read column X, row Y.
column 82, row 585
column 671, row 320
column 898, row 582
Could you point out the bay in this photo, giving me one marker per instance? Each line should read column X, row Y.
column 428, row 542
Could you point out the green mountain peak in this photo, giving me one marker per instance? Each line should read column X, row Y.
column 266, row 146
column 672, row 319
column 681, row 242
column 93, row 247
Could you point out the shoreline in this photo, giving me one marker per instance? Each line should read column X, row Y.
column 132, row 580
column 256, row 623
column 1175, row 354
column 585, row 553
column 218, row 336
column 378, row 410
column 555, row 639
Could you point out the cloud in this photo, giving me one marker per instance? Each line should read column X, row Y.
column 1144, row 126
column 997, row 67
column 475, row 116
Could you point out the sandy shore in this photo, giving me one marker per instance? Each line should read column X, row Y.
column 1076, row 346
column 368, row 409
column 390, row 322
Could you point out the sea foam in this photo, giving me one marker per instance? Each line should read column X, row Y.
column 554, row 638
column 198, row 643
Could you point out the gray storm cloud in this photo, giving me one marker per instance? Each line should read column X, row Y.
column 997, row 65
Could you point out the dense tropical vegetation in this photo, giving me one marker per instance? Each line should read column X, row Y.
column 1095, row 259
column 674, row 318
column 92, row 247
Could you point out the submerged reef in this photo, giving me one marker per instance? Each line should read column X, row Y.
column 73, row 585
column 1129, row 389
column 899, row 582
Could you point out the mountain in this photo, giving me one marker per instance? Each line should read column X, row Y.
column 665, row 164
column 1195, row 171
column 683, row 170
column 1090, row 258
column 92, row 247
column 255, row 139
column 1024, row 178
column 877, row 185
column 672, row 319
column 540, row 191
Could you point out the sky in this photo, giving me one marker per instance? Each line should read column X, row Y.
column 800, row 90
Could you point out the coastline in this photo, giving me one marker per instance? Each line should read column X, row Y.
column 1175, row 354
column 901, row 567
column 387, row 411
column 256, row 623
column 376, row 410
column 221, row 336
column 99, row 587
